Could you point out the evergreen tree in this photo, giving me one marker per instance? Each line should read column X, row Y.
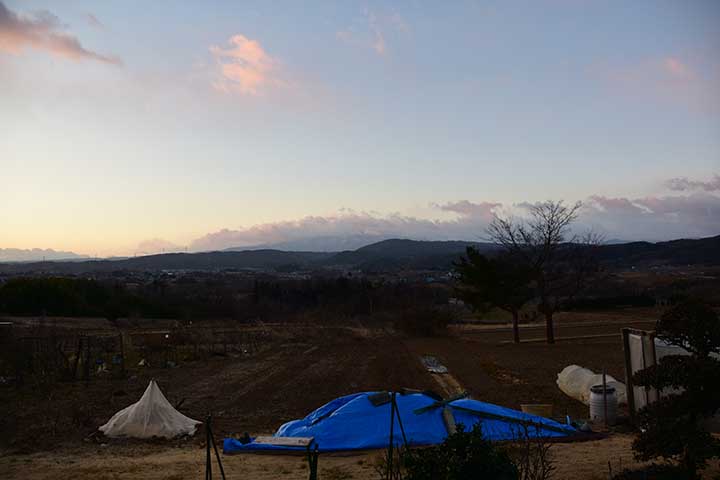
column 671, row 427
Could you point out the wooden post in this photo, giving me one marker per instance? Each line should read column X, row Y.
column 312, row 457
column 630, row 391
column 402, row 428
column 516, row 326
column 208, row 462
column 653, row 354
column 646, row 389
column 390, row 444
column 449, row 420
column 217, row 454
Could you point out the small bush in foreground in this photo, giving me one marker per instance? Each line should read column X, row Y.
column 462, row 456
column 531, row 454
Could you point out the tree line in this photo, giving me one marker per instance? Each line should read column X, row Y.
column 217, row 297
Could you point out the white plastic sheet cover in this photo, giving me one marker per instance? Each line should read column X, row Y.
column 151, row 416
column 575, row 381
column 641, row 357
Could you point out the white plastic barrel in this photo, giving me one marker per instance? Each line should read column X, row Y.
column 597, row 405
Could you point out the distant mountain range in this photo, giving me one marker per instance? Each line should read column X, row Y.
column 386, row 255
column 327, row 243
column 250, row 259
column 704, row 251
column 36, row 254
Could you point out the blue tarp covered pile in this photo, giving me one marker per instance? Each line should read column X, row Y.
column 354, row 422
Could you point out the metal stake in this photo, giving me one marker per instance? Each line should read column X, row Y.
column 605, row 416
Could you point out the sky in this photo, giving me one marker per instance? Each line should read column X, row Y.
column 136, row 127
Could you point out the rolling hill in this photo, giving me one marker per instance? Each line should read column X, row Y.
column 675, row 252
column 386, row 255
column 249, row 259
column 398, row 254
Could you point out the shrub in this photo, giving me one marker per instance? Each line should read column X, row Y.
column 530, row 452
column 462, row 456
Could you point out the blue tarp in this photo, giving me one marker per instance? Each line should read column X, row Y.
column 352, row 422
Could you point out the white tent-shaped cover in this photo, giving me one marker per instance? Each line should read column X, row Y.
column 151, row 416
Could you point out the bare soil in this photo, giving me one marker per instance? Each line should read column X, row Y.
column 50, row 431
column 495, row 371
column 254, row 394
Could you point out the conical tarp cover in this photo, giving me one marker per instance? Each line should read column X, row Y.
column 151, row 416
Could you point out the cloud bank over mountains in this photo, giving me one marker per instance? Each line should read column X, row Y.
column 693, row 213
column 688, row 209
column 653, row 218
column 684, row 184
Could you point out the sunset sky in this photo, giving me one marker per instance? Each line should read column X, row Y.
column 136, row 126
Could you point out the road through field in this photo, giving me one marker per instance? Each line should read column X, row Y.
column 567, row 325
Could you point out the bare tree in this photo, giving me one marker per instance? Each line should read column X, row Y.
column 561, row 263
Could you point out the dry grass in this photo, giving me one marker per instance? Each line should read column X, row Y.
column 574, row 461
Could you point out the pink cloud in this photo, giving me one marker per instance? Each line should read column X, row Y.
column 245, row 67
column 676, row 68
column 43, row 31
column 669, row 79
column 655, row 71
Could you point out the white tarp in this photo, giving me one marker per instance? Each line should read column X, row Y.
column 575, row 381
column 645, row 351
column 151, row 416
